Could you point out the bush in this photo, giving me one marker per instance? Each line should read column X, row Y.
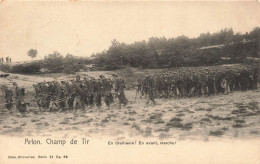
column 53, row 62
column 27, row 68
column 71, row 69
column 5, row 68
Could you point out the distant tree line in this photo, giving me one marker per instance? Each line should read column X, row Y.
column 207, row 49
column 223, row 47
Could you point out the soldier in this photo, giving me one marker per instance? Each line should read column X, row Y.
column 19, row 94
column 70, row 97
column 98, row 93
column 193, row 85
column 51, row 95
column 78, row 94
column 119, row 89
column 85, row 87
column 251, row 82
column 211, row 84
column 139, row 87
column 37, row 94
column 91, row 89
column 172, row 87
column 150, row 83
column 244, row 76
column 60, row 96
column 8, row 98
column 107, row 87
column 224, row 85
column 255, row 78
column 237, row 81
column 166, row 85
column 178, row 87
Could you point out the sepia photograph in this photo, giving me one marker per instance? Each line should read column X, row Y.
column 165, row 79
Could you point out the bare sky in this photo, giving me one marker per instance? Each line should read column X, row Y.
column 81, row 28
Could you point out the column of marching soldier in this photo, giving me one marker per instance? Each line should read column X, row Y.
column 188, row 83
column 70, row 94
column 178, row 84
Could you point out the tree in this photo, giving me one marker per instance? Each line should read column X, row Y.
column 32, row 53
column 54, row 62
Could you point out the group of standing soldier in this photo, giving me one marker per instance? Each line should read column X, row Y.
column 80, row 93
column 14, row 97
column 188, row 83
column 7, row 59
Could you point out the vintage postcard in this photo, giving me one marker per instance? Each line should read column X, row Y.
column 129, row 82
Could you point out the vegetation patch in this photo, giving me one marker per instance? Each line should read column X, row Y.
column 216, row 133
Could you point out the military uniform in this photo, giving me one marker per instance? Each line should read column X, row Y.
column 19, row 94
column 78, row 95
column 8, row 99
column 150, row 83
column 119, row 89
column 98, row 93
column 107, row 87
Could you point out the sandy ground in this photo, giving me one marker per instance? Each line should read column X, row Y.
column 233, row 116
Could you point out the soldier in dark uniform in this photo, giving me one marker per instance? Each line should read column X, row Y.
column 160, row 86
column 119, row 89
column 44, row 98
column 255, row 78
column 51, row 94
column 19, row 94
column 59, row 96
column 179, row 87
column 98, row 93
column 91, row 89
column 139, row 87
column 236, row 81
column 106, row 91
column 166, row 85
column 78, row 95
column 150, row 83
column 172, row 87
column 8, row 98
column 70, row 97
column 251, row 82
column 211, row 84
column 85, row 87
column 244, row 76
